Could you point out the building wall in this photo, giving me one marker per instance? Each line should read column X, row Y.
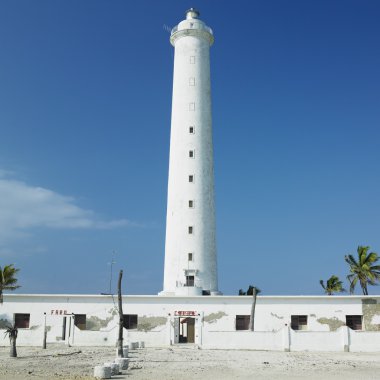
column 215, row 325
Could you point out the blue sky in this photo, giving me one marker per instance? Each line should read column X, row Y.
column 85, row 100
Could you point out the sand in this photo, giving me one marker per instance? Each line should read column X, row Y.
column 187, row 362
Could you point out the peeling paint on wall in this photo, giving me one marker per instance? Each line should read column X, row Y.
column 333, row 323
column 150, row 323
column 371, row 314
column 213, row 317
column 276, row 316
column 95, row 323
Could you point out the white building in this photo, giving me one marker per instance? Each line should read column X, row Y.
column 190, row 249
column 290, row 323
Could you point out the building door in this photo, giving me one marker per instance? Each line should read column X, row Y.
column 186, row 330
column 190, row 330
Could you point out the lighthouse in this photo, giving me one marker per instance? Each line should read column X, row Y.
column 190, row 245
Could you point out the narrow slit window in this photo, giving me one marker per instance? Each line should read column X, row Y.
column 190, row 257
column 191, row 178
column 192, row 81
column 191, row 203
column 191, row 106
column 190, row 230
column 192, row 59
column 191, row 153
column 191, row 130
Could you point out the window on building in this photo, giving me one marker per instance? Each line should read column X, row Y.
column 191, row 153
column 191, row 178
column 191, row 204
column 190, row 229
column 189, row 280
column 192, row 59
column 299, row 322
column 191, row 130
column 242, row 322
column 191, row 106
column 192, row 81
column 354, row 322
column 130, row 321
column 80, row 321
column 22, row 321
column 190, row 256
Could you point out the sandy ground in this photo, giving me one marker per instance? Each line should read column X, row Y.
column 187, row 362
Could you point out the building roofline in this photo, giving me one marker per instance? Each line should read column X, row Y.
column 190, row 297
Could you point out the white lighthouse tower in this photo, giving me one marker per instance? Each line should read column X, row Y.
column 190, row 249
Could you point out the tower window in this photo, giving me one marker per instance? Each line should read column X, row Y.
column 191, row 153
column 189, row 280
column 191, row 106
column 191, row 203
column 192, row 81
column 190, row 257
column 190, row 229
column 192, row 59
column 191, row 129
column 191, row 178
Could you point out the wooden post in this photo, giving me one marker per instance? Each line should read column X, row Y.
column 121, row 319
column 45, row 333
column 252, row 319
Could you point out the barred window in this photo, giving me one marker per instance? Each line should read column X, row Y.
column 299, row 322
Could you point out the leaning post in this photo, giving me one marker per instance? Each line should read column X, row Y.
column 121, row 319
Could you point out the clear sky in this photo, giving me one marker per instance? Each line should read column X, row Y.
column 85, row 102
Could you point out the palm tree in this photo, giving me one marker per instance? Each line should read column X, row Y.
column 363, row 270
column 12, row 332
column 7, row 279
column 252, row 291
column 333, row 285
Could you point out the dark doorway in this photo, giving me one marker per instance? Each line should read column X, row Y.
column 186, row 330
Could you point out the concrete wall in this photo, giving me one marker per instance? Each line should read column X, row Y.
column 215, row 321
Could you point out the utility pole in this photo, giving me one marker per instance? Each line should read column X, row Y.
column 111, row 263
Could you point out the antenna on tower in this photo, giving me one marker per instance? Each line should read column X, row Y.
column 111, row 264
